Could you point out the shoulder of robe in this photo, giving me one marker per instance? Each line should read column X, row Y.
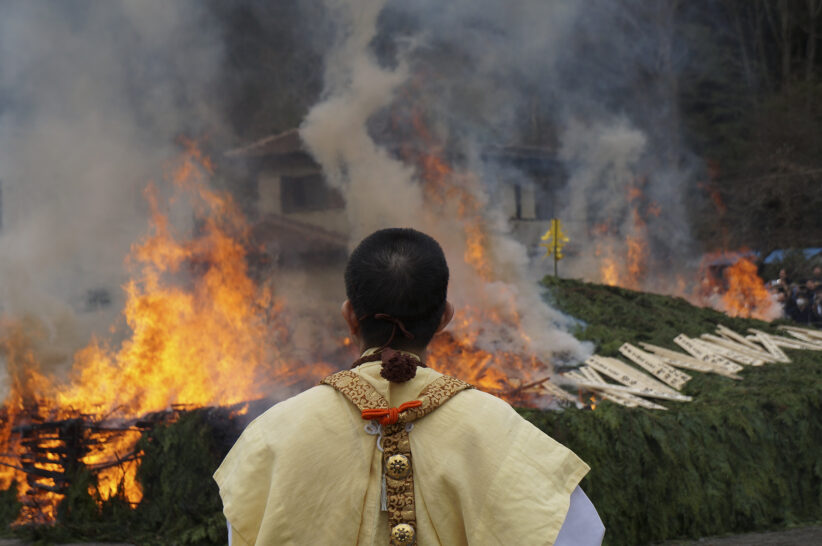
column 316, row 406
column 475, row 407
column 483, row 415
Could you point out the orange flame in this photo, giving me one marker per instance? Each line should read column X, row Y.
column 202, row 332
column 746, row 295
column 459, row 351
column 624, row 262
column 737, row 289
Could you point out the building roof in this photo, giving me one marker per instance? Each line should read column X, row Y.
column 288, row 142
column 294, row 235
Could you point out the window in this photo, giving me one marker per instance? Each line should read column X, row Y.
column 97, row 298
column 308, row 193
column 517, row 202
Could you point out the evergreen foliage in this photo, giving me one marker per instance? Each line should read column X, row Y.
column 9, row 505
column 743, row 456
column 179, row 497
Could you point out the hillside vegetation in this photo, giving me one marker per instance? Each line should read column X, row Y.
column 744, row 455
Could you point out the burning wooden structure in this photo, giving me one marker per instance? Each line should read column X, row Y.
column 293, row 192
column 54, row 454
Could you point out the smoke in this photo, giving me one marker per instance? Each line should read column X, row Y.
column 593, row 83
column 336, row 130
column 605, row 157
column 92, row 97
column 419, row 98
column 368, row 90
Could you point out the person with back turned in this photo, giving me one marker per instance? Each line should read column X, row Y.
column 393, row 452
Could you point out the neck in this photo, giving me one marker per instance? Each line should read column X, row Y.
column 419, row 353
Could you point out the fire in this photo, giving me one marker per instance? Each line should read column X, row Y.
column 624, row 261
column 205, row 343
column 443, row 186
column 459, row 351
column 737, row 289
column 202, row 332
column 608, row 270
column 505, row 373
column 622, row 254
column 746, row 295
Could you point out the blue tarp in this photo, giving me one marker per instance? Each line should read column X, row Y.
column 779, row 255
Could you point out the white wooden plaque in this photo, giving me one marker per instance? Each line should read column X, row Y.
column 638, row 390
column 651, row 382
column 629, row 400
column 807, row 339
column 730, row 354
column 793, row 343
column 682, row 360
column 735, row 336
column 810, row 332
column 698, row 350
column 755, row 354
column 768, row 343
column 591, row 374
column 661, row 370
column 557, row 392
column 625, row 374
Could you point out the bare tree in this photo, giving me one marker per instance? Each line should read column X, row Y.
column 814, row 9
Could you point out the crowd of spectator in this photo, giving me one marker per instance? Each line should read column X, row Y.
column 801, row 299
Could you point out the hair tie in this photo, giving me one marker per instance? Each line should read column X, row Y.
column 397, row 323
column 396, row 366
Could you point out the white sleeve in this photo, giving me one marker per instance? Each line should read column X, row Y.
column 229, row 532
column 582, row 526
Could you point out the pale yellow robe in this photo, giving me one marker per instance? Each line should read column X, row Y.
column 306, row 472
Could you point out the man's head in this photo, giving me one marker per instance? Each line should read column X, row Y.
column 401, row 273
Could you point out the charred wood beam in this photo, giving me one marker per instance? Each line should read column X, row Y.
column 36, row 488
column 526, row 386
column 43, row 473
column 14, row 466
column 53, row 425
column 132, row 456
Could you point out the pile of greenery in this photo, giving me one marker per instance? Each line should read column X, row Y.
column 180, row 505
column 743, row 456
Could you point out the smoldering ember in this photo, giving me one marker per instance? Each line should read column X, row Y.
column 627, row 195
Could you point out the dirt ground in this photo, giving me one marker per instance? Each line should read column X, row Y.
column 804, row 536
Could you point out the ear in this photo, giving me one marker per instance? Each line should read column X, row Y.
column 350, row 318
column 447, row 315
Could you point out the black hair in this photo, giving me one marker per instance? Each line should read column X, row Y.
column 399, row 272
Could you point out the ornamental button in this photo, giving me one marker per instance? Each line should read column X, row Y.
column 398, row 467
column 402, row 535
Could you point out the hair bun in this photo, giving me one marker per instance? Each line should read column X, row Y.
column 398, row 367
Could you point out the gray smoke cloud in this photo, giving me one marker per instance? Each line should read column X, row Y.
column 92, row 97
column 594, row 83
column 381, row 190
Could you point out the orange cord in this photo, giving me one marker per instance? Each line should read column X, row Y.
column 391, row 415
